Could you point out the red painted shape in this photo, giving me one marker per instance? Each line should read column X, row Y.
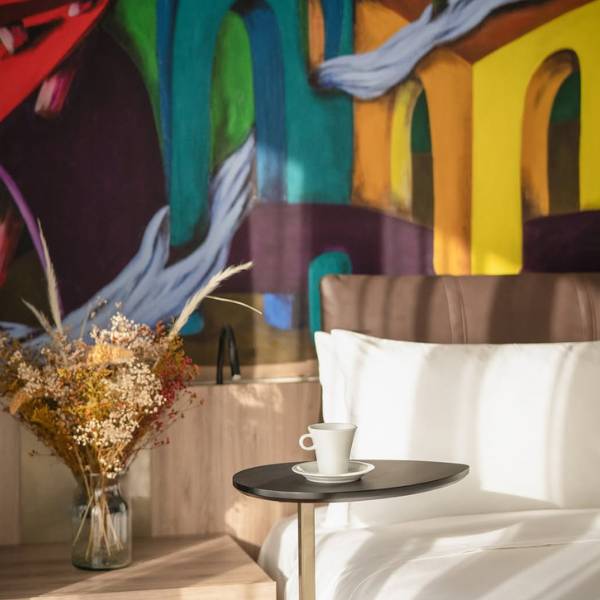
column 28, row 68
column 12, row 37
column 43, row 18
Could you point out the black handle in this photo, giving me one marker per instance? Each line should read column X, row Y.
column 227, row 340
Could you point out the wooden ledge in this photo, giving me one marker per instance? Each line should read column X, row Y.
column 189, row 568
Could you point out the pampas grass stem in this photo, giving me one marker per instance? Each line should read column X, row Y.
column 41, row 317
column 238, row 302
column 213, row 283
column 53, row 298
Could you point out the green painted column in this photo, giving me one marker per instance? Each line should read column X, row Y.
column 232, row 96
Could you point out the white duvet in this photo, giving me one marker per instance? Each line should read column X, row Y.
column 529, row 555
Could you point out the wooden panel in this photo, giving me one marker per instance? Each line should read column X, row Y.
column 236, row 427
column 10, row 452
column 47, row 488
column 166, row 569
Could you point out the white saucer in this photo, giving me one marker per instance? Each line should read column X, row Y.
column 310, row 471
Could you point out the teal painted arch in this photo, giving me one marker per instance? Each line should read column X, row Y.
column 318, row 125
column 328, row 263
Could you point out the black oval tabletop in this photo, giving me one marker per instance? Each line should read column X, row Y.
column 390, row 478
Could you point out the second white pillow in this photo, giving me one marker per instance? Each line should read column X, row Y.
column 525, row 417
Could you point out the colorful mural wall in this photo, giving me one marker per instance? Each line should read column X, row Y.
column 158, row 140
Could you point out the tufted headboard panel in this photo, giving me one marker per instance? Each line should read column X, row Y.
column 530, row 307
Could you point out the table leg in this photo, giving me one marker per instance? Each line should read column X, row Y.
column 306, row 550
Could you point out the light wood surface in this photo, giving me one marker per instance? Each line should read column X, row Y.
column 304, row 369
column 10, row 466
column 236, row 427
column 165, row 569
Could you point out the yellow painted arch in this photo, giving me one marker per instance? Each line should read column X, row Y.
column 500, row 83
column 541, row 92
column 401, row 182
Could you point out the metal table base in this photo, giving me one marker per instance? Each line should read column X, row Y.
column 306, row 550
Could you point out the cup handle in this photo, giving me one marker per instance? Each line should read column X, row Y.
column 301, row 442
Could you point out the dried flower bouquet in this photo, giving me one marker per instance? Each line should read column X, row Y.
column 96, row 403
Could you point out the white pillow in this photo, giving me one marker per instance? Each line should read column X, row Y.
column 525, row 417
column 334, row 407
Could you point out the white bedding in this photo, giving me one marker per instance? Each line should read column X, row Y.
column 529, row 555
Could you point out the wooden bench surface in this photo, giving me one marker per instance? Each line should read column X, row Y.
column 187, row 568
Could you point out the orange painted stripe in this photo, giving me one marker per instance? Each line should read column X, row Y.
column 447, row 80
column 316, row 34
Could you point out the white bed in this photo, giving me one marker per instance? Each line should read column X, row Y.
column 528, row 555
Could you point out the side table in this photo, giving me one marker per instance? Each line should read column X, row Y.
column 162, row 569
column 389, row 479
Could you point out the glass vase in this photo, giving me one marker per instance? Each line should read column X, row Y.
column 101, row 523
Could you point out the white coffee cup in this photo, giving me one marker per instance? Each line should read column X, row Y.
column 332, row 443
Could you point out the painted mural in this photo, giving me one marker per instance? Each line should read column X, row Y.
column 155, row 141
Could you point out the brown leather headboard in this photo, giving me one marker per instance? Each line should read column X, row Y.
column 531, row 307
